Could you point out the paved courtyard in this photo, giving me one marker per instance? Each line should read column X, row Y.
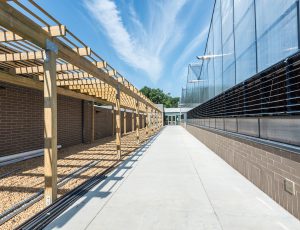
column 175, row 182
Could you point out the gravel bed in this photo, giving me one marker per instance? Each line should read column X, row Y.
column 29, row 178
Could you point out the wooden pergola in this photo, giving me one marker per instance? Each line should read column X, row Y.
column 38, row 52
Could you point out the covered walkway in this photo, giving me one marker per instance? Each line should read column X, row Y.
column 175, row 182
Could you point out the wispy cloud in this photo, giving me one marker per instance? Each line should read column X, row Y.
column 190, row 49
column 145, row 46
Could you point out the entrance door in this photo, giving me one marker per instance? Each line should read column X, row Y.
column 173, row 120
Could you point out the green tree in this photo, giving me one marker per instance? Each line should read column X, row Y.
column 157, row 96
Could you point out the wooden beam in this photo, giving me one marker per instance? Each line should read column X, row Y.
column 158, row 120
column 53, row 31
column 68, row 76
column 35, row 55
column 118, row 124
column 94, row 91
column 112, row 72
column 97, row 86
column 30, row 83
column 50, row 127
column 137, row 110
column 83, row 51
column 147, row 121
column 100, row 64
column 152, row 120
column 82, row 81
column 40, row 69
column 22, row 56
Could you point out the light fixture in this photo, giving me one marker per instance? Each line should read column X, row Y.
column 209, row 56
column 195, row 81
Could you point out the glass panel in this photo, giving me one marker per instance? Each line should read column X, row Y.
column 228, row 44
column 204, row 76
column 245, row 45
column 229, row 76
column 210, row 65
column 276, row 31
column 217, row 54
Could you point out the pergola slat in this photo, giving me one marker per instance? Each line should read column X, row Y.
column 34, row 55
column 53, row 31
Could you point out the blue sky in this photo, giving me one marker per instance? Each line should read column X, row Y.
column 150, row 42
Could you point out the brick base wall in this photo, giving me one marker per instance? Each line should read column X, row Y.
column 266, row 167
column 22, row 124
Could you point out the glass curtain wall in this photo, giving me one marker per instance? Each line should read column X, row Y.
column 245, row 37
column 195, row 90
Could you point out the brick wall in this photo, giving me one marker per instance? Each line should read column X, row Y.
column 266, row 167
column 21, row 120
column 22, row 124
column 69, row 121
column 103, row 123
column 87, row 131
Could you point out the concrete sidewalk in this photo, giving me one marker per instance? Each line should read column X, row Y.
column 175, row 182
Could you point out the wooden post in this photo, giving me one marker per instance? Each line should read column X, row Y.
column 156, row 120
column 113, row 119
column 137, row 110
column 118, row 123
column 125, row 122
column 50, row 124
column 93, row 122
column 152, row 120
column 147, row 121
column 132, row 121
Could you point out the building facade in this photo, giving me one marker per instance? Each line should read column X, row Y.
column 245, row 38
column 245, row 93
column 175, row 116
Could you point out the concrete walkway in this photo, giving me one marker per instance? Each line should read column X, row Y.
column 175, row 182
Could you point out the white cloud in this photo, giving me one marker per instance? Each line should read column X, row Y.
column 190, row 48
column 145, row 47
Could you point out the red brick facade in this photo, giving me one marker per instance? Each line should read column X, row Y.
column 21, row 120
column 103, row 123
column 22, row 123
